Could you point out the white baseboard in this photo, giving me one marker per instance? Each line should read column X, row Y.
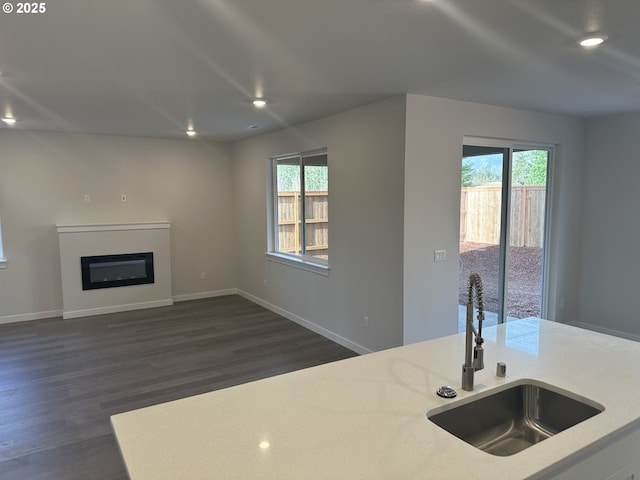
column 116, row 308
column 307, row 324
column 25, row 317
column 607, row 331
column 201, row 295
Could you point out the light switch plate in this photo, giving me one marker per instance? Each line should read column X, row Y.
column 439, row 255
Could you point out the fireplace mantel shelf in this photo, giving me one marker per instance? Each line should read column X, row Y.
column 105, row 227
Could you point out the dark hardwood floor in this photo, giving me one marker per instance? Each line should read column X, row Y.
column 61, row 380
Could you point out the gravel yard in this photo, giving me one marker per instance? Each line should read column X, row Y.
column 524, row 280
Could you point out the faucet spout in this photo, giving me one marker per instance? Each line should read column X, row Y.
column 473, row 356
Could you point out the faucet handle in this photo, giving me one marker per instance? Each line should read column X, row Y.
column 478, row 357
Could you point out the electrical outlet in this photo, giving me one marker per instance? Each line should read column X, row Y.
column 87, row 198
column 123, row 197
column 203, row 275
column 439, row 255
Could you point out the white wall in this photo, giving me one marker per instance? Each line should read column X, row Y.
column 44, row 176
column 434, row 138
column 366, row 174
column 611, row 230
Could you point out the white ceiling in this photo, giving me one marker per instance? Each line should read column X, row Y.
column 151, row 67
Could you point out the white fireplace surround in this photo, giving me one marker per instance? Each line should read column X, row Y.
column 78, row 241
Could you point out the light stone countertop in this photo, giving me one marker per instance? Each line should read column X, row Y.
column 364, row 417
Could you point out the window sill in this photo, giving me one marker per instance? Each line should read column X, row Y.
column 299, row 263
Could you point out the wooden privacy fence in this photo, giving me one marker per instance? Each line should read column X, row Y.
column 316, row 224
column 480, row 215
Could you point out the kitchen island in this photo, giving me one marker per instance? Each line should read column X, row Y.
column 365, row 417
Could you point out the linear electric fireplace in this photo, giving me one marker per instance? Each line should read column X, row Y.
column 108, row 271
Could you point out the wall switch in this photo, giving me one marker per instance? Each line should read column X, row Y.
column 123, row 197
column 366, row 321
column 439, row 255
column 203, row 275
column 87, row 198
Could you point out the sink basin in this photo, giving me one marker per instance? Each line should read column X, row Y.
column 507, row 420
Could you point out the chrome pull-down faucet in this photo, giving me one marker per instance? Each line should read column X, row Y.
column 473, row 356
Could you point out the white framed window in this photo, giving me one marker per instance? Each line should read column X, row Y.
column 299, row 205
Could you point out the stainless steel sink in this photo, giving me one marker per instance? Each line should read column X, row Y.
column 514, row 417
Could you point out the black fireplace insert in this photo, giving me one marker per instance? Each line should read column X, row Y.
column 108, row 271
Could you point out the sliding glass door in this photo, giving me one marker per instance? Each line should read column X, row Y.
column 502, row 228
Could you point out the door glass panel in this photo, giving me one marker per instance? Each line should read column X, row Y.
column 480, row 227
column 526, row 233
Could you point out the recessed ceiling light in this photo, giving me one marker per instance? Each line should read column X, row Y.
column 593, row 40
column 9, row 121
column 259, row 103
column 191, row 133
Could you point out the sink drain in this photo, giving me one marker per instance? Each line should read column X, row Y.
column 446, row 391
